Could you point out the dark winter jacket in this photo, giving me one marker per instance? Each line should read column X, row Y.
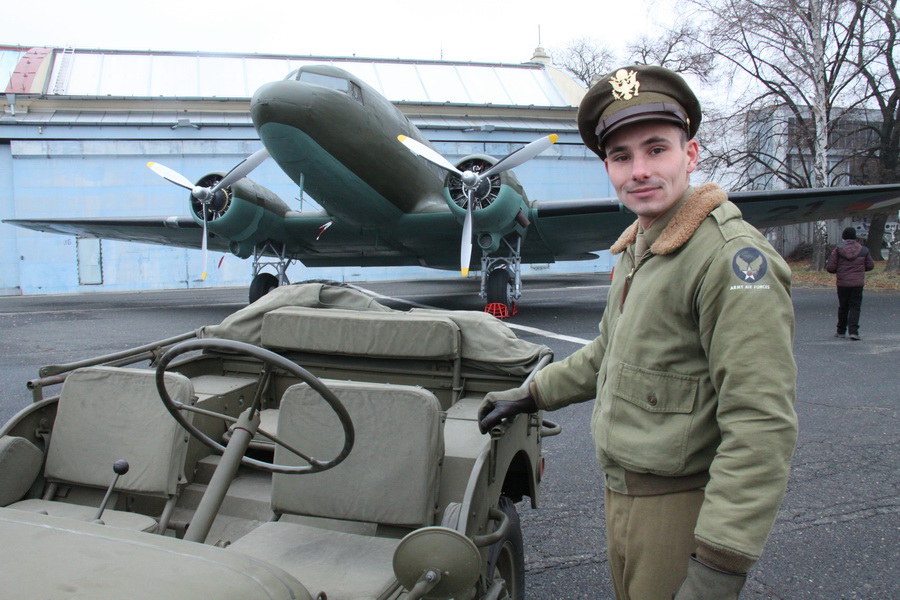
column 850, row 260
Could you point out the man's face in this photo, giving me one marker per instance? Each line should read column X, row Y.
column 649, row 165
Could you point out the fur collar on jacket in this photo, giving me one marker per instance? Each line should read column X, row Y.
column 703, row 201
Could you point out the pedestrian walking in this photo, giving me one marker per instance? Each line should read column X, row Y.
column 849, row 261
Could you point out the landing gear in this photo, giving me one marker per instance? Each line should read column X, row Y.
column 499, row 286
column 263, row 283
column 501, row 281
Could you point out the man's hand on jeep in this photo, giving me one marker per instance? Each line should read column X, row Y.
column 500, row 406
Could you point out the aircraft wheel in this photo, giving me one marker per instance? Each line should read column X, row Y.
column 507, row 557
column 261, row 285
column 499, row 287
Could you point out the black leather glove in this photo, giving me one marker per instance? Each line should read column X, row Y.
column 704, row 582
column 500, row 406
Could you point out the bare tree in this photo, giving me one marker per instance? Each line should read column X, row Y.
column 876, row 57
column 798, row 64
column 586, row 59
column 812, row 18
column 808, row 91
column 674, row 49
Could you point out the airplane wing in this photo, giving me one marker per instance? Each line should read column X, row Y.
column 563, row 229
column 304, row 237
column 573, row 227
column 768, row 208
column 181, row 232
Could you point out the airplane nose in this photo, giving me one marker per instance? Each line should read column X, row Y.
column 275, row 90
column 272, row 101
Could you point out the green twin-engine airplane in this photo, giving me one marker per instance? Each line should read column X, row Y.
column 389, row 199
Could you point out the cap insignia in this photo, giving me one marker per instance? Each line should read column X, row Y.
column 625, row 84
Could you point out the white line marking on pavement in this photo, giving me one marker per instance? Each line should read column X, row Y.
column 550, row 334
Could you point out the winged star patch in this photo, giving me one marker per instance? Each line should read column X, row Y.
column 750, row 265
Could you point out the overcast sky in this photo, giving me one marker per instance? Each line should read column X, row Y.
column 457, row 30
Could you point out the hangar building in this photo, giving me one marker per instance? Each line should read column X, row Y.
column 78, row 127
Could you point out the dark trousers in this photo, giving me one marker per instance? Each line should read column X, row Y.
column 849, row 305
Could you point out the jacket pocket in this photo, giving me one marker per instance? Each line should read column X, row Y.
column 650, row 419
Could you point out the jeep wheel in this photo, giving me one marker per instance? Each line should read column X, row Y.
column 507, row 557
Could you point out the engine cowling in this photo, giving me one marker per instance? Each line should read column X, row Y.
column 245, row 213
column 499, row 202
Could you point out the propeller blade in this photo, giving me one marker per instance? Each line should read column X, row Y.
column 420, row 149
column 204, row 246
column 465, row 246
column 170, row 175
column 471, row 180
column 522, row 155
column 242, row 169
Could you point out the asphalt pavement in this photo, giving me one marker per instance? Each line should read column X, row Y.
column 837, row 535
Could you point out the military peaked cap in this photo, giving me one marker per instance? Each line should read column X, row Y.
column 636, row 93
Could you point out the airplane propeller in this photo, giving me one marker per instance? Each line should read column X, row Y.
column 470, row 180
column 205, row 195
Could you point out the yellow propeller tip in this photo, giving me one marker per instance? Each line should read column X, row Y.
column 401, row 138
column 150, row 164
column 203, row 277
column 553, row 138
column 465, row 272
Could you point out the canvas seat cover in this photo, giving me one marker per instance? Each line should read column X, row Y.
column 106, row 414
column 390, row 478
column 484, row 342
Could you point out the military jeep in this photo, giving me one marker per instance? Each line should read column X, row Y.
column 315, row 444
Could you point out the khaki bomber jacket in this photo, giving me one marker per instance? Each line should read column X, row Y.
column 693, row 373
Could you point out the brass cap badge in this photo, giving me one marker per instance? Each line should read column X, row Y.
column 625, row 84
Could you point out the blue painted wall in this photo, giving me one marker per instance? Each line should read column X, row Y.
column 9, row 250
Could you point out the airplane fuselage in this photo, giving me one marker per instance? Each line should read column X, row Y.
column 336, row 136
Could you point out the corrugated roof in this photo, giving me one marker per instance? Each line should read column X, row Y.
column 96, row 73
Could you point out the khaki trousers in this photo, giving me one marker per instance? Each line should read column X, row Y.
column 650, row 541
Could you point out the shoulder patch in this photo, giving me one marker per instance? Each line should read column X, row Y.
column 750, row 265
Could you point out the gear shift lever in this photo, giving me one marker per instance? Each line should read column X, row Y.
column 120, row 467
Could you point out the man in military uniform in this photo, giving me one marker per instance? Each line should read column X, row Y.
column 692, row 373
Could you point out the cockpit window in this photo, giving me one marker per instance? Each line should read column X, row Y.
column 355, row 92
column 336, row 83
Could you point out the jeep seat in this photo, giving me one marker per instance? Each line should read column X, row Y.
column 390, row 481
column 106, row 414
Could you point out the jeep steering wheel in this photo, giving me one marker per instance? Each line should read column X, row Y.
column 270, row 359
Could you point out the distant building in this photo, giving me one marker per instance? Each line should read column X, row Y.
column 776, row 134
column 78, row 126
